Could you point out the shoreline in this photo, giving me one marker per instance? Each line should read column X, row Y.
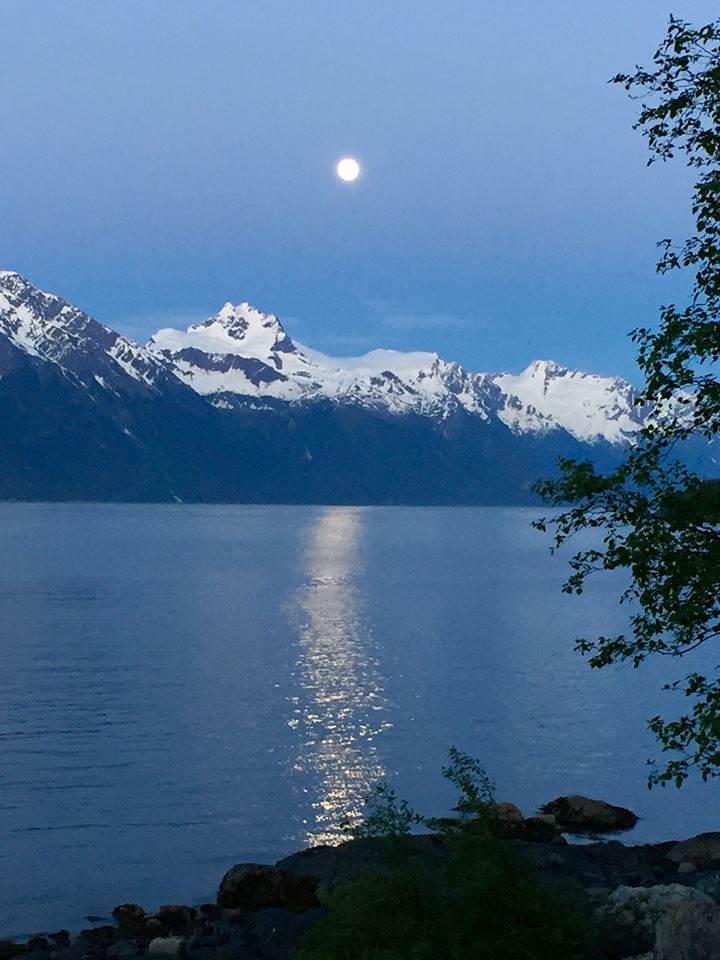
column 263, row 910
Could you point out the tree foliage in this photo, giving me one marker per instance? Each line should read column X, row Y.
column 468, row 897
column 650, row 508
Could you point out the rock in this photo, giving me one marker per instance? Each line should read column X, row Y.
column 583, row 815
column 687, row 869
column 627, row 918
column 690, row 931
column 211, row 911
column 508, row 812
column 331, row 866
column 126, row 913
column 235, row 918
column 10, row 949
column 702, row 850
column 100, row 936
column 152, row 929
column 176, row 917
column 165, row 946
column 61, row 938
column 541, row 829
column 220, row 941
column 123, row 948
column 38, row 943
column 255, row 886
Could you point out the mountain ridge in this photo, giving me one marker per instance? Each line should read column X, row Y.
column 244, row 352
column 234, row 409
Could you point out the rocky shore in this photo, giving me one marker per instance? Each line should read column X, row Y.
column 656, row 901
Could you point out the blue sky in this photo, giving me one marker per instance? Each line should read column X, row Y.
column 160, row 157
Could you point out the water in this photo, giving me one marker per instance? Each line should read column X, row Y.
column 186, row 687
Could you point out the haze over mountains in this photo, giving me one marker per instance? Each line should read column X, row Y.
column 233, row 409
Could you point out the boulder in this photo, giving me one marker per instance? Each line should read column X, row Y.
column 541, row 829
column 703, row 851
column 690, row 931
column 508, row 812
column 256, row 886
column 331, row 866
column 38, row 943
column 583, row 815
column 100, row 936
column 165, row 946
column 126, row 913
column 211, row 911
column 627, row 917
column 61, row 938
column 176, row 917
column 149, row 929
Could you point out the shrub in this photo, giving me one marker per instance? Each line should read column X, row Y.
column 478, row 900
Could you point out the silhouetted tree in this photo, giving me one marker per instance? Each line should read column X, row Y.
column 650, row 508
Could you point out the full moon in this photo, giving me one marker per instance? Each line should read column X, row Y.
column 348, row 169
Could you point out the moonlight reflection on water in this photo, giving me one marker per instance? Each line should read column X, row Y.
column 342, row 707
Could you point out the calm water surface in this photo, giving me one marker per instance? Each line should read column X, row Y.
column 186, row 687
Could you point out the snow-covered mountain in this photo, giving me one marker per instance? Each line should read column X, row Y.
column 47, row 328
column 547, row 396
column 233, row 409
column 243, row 353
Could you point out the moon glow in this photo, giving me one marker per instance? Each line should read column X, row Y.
column 348, row 169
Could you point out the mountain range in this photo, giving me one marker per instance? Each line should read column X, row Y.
column 234, row 410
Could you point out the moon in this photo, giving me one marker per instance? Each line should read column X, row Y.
column 348, row 169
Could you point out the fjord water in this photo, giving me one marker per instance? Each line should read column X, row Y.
column 185, row 687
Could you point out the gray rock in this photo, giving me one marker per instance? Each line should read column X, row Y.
column 165, row 946
column 687, row 869
column 709, row 883
column 690, row 931
column 628, row 916
column 702, row 850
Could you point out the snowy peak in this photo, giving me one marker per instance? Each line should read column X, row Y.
column 258, row 332
column 546, row 396
column 237, row 329
column 47, row 328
